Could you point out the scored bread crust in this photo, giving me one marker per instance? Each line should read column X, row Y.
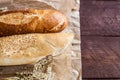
column 31, row 21
column 30, row 48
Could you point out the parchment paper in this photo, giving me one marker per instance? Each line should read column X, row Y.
column 71, row 9
column 66, row 66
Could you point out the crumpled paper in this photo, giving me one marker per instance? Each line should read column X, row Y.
column 71, row 9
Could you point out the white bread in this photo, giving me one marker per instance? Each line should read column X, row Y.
column 30, row 48
column 31, row 21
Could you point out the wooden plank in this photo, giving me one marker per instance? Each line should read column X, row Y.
column 101, row 79
column 99, row 17
column 100, row 57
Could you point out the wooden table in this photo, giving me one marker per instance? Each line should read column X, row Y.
column 101, row 57
column 100, row 30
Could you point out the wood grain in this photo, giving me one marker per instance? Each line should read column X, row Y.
column 100, row 17
column 101, row 57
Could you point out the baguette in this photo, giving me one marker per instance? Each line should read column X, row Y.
column 30, row 48
column 31, row 21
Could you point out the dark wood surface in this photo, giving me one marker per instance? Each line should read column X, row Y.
column 100, row 30
column 101, row 57
column 100, row 17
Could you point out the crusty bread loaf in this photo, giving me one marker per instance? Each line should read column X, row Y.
column 30, row 48
column 31, row 21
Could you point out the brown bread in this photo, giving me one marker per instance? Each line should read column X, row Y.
column 31, row 21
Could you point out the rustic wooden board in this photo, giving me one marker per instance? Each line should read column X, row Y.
column 101, row 57
column 100, row 17
column 102, row 79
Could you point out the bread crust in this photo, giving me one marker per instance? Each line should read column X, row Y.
column 43, row 21
column 30, row 48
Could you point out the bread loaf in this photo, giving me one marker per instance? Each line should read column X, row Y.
column 31, row 21
column 30, row 48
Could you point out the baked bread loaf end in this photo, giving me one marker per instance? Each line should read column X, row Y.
column 31, row 21
column 30, row 48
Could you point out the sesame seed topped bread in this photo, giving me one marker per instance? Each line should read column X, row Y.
column 30, row 48
column 31, row 21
